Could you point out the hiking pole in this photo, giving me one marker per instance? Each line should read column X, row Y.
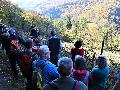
column 103, row 42
column 102, row 47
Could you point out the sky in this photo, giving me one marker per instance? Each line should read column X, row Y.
column 26, row 4
column 37, row 5
column 31, row 4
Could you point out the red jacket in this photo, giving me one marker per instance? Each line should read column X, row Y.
column 77, row 51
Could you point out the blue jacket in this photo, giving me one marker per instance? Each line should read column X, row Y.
column 99, row 76
column 49, row 70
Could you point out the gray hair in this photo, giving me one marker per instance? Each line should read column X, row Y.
column 66, row 63
column 78, row 57
column 44, row 49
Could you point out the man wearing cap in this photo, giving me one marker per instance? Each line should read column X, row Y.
column 55, row 46
column 100, row 72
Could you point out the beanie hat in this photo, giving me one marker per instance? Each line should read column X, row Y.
column 11, row 31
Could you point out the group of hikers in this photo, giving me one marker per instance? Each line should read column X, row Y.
column 45, row 69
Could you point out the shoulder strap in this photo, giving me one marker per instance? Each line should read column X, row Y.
column 76, row 85
column 86, row 77
column 39, row 81
column 53, row 86
column 87, row 74
column 42, row 65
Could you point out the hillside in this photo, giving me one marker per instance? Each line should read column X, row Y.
column 62, row 8
column 58, row 9
column 55, row 8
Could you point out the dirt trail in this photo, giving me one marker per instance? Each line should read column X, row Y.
column 7, row 82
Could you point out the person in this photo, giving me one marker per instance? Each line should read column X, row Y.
column 33, row 32
column 49, row 70
column 100, row 73
column 36, row 42
column 65, row 82
column 12, row 50
column 26, row 58
column 55, row 46
column 21, row 37
column 117, row 84
column 78, row 50
column 80, row 73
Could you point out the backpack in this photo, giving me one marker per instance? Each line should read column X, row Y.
column 37, row 74
column 54, row 45
column 55, row 87
column 85, row 79
column 81, row 78
column 37, row 80
column 26, row 59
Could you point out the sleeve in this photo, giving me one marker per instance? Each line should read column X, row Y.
column 95, row 73
column 55, row 73
column 90, row 80
column 34, row 65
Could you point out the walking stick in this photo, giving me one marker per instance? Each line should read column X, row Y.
column 102, row 47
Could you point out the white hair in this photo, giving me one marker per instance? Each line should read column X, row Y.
column 65, row 62
column 78, row 57
column 44, row 49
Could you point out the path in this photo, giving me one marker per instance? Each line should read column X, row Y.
column 7, row 82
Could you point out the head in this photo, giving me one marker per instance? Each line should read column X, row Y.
column 78, row 44
column 101, row 61
column 29, row 44
column 53, row 33
column 80, row 62
column 44, row 51
column 65, row 66
column 11, row 31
